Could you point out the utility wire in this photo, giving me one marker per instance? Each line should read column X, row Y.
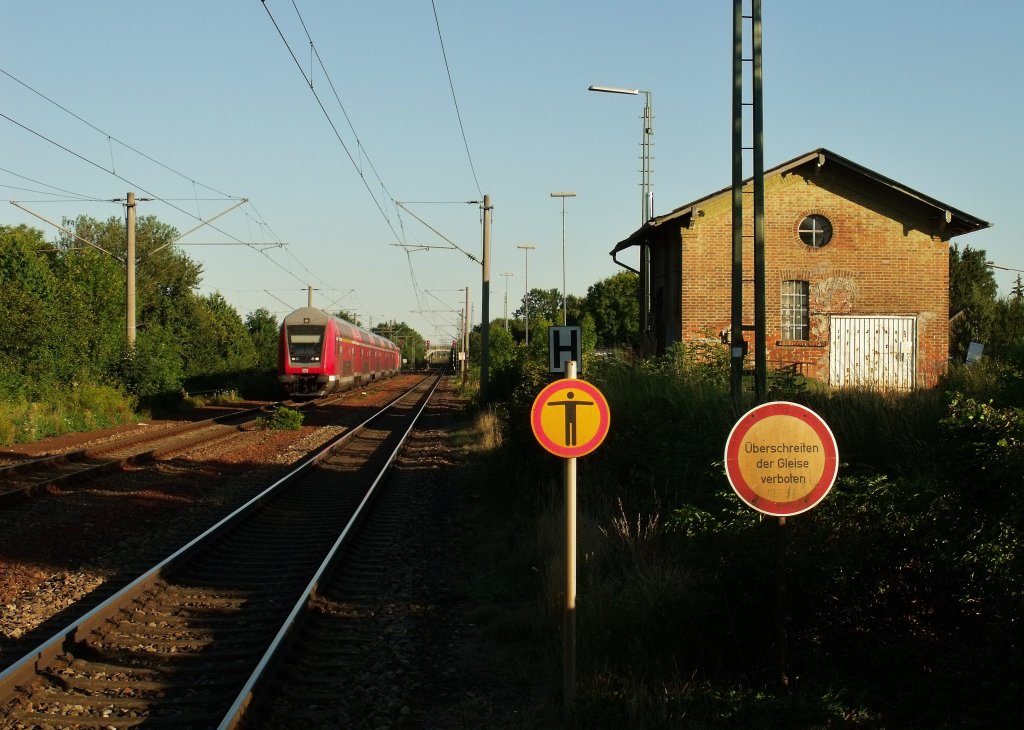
column 110, row 137
column 77, row 196
column 455, row 101
column 327, row 116
column 132, row 183
column 144, row 190
column 260, row 220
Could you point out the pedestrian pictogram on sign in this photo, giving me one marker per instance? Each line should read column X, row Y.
column 781, row 458
column 570, row 418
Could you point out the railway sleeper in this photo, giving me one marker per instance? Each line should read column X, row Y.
column 131, row 657
column 71, row 714
column 184, row 630
column 100, row 667
column 124, row 685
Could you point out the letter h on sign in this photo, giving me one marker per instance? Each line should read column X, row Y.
column 564, row 344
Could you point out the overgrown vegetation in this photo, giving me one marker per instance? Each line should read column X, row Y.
column 903, row 588
column 282, row 419
column 65, row 361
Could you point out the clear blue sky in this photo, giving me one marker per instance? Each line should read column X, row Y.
column 927, row 93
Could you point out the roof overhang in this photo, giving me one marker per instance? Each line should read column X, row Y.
column 957, row 222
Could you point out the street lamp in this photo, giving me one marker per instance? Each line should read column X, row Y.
column 645, row 171
column 563, row 196
column 506, row 274
column 527, row 247
column 645, row 190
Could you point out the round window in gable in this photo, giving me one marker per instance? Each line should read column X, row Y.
column 815, row 231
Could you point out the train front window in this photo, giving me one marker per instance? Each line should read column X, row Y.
column 305, row 343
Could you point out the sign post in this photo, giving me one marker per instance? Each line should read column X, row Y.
column 781, row 459
column 570, row 418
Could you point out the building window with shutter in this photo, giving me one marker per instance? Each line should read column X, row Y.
column 795, row 311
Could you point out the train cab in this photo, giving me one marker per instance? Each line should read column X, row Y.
column 320, row 353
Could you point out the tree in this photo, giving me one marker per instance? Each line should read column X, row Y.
column 263, row 331
column 1008, row 340
column 29, row 347
column 349, row 317
column 218, row 342
column 615, row 306
column 92, row 291
column 972, row 299
column 413, row 346
column 164, row 275
column 545, row 307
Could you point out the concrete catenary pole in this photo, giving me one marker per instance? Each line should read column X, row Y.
column 129, row 263
column 465, row 340
column 485, row 305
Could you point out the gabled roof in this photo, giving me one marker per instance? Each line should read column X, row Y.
column 957, row 222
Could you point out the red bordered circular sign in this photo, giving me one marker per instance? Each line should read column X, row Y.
column 570, row 417
column 781, row 458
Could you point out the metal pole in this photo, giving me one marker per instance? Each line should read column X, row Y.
column 760, row 325
column 506, row 274
column 563, row 196
column 780, row 603
column 129, row 262
column 736, row 338
column 565, row 315
column 645, row 187
column 526, row 250
column 646, row 202
column 526, row 282
column 569, row 638
column 465, row 340
column 485, row 306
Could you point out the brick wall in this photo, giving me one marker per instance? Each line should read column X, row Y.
column 885, row 258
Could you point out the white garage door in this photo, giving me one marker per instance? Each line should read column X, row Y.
column 873, row 352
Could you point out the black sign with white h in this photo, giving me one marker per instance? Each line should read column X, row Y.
column 564, row 344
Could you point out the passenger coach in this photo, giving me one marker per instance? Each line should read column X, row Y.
column 320, row 353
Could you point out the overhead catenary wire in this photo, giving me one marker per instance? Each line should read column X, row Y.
column 112, row 171
column 110, row 137
column 327, row 115
column 455, row 101
column 399, row 235
column 76, row 197
column 138, row 186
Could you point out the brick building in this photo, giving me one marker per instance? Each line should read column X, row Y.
column 857, row 273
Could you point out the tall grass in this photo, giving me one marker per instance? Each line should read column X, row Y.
column 902, row 583
column 82, row 407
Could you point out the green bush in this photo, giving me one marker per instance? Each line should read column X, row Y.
column 903, row 585
column 282, row 419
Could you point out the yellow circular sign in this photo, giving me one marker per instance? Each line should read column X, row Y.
column 781, row 458
column 570, row 417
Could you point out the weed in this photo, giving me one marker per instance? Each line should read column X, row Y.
column 282, row 419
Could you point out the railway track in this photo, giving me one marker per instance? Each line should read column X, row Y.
column 61, row 471
column 187, row 644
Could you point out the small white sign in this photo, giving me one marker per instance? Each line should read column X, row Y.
column 565, row 344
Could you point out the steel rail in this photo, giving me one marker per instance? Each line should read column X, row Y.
column 105, row 464
column 26, row 668
column 236, row 713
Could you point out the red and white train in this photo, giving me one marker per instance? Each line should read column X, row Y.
column 319, row 353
